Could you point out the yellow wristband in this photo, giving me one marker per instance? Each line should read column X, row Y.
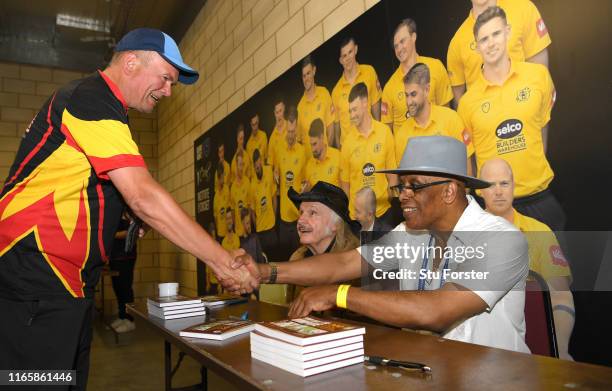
column 341, row 296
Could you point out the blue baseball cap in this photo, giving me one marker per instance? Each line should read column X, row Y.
column 160, row 42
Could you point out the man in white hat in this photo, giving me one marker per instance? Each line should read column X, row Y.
column 472, row 291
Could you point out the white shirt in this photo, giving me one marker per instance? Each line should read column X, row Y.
column 505, row 259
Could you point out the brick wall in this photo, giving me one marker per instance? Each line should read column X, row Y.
column 23, row 90
column 239, row 46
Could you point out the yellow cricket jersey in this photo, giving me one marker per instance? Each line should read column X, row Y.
column 226, row 175
column 291, row 164
column 545, row 255
column 361, row 156
column 239, row 195
column 365, row 74
column 326, row 170
column 506, row 121
column 394, row 108
column 221, row 201
column 246, row 166
column 528, row 36
column 262, row 193
column 442, row 122
column 260, row 142
column 231, row 241
column 309, row 110
column 277, row 138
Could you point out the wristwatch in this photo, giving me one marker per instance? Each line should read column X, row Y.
column 273, row 273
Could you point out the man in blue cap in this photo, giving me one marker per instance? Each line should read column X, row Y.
column 460, row 270
column 60, row 206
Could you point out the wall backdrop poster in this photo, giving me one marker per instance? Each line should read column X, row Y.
column 573, row 55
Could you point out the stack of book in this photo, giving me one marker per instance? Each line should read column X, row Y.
column 307, row 346
column 175, row 307
column 218, row 329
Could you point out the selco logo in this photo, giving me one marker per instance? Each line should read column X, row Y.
column 263, row 201
column 368, row 169
column 509, row 128
column 289, row 176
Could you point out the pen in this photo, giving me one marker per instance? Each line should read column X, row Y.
column 396, row 364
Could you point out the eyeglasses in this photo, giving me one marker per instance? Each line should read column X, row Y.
column 398, row 189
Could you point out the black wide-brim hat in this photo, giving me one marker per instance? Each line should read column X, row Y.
column 329, row 195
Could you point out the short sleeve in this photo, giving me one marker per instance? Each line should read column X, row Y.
column 454, row 63
column 502, row 258
column 386, row 110
column 390, row 158
column 345, row 161
column 328, row 114
column 535, row 32
column 460, row 132
column 335, row 105
column 107, row 143
column 443, row 92
column 374, row 91
column 549, row 96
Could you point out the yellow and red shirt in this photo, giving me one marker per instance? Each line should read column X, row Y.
column 394, row 109
column 365, row 74
column 361, row 156
column 309, row 110
column 326, row 170
column 59, row 211
column 442, row 122
column 528, row 37
column 263, row 192
column 506, row 121
column 545, row 255
column 291, row 165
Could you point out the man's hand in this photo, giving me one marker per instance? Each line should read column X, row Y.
column 319, row 298
column 242, row 274
column 237, row 281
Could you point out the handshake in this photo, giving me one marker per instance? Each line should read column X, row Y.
column 240, row 274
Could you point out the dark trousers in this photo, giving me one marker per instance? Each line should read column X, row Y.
column 47, row 334
column 544, row 207
column 288, row 240
column 122, row 284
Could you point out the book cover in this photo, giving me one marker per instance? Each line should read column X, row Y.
column 308, row 330
column 218, row 330
column 168, row 301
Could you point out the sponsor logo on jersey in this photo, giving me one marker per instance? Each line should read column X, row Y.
column 523, row 95
column 368, row 169
column 289, row 176
column 556, row 254
column 509, row 128
column 541, row 28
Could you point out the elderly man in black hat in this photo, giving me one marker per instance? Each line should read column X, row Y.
column 472, row 290
column 324, row 225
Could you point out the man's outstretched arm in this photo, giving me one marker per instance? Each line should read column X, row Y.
column 156, row 207
column 434, row 310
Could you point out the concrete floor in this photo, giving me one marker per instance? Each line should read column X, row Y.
column 136, row 363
